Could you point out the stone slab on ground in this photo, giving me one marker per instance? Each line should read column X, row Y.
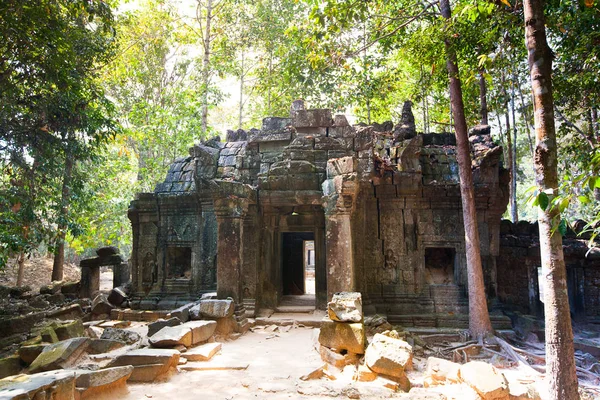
column 148, row 372
column 99, row 346
column 216, row 308
column 156, row 326
column 214, row 365
column 171, row 336
column 486, row 380
column 123, row 335
column 439, row 371
column 56, row 385
column 10, row 365
column 114, row 324
column 201, row 330
column 146, row 357
column 343, row 336
column 70, row 330
column 388, row 356
column 59, row 355
column 30, row 353
column 203, row 352
column 93, row 383
column 345, row 307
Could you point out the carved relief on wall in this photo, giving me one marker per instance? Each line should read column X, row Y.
column 390, row 268
column 149, row 269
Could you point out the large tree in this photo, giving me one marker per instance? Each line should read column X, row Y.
column 560, row 361
column 52, row 111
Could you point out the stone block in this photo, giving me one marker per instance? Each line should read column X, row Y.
column 156, row 326
column 216, row 308
column 30, row 353
column 388, row 356
column 485, row 380
column 331, row 357
column 91, row 384
column 73, row 311
column 312, row 118
column 226, row 326
column 440, row 371
column 343, row 336
column 203, row 352
column 341, row 166
column 345, row 307
column 70, row 288
column 116, row 297
column 364, row 374
column 171, row 336
column 70, row 330
column 101, row 305
column 100, row 346
column 123, row 335
column 107, row 251
column 275, row 123
column 201, row 330
column 55, row 385
column 59, row 355
column 148, row 364
column 10, row 365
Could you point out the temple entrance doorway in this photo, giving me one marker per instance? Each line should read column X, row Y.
column 298, row 270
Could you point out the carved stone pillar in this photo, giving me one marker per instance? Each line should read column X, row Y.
column 339, row 199
column 230, row 214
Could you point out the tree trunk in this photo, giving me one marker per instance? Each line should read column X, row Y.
column 206, row 66
column 241, row 111
column 513, row 166
column 59, row 251
column 560, row 361
column 21, row 269
column 510, row 162
column 479, row 318
column 483, row 97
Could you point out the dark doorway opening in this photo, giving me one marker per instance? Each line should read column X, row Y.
column 179, row 263
column 439, row 265
column 294, row 271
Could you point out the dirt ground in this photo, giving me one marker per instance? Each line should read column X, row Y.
column 38, row 272
column 269, row 366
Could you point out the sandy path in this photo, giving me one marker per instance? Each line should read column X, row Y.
column 274, row 366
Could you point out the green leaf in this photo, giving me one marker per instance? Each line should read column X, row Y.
column 543, row 200
column 562, row 227
column 583, row 199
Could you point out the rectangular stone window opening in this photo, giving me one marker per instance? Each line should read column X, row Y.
column 439, row 265
column 179, row 263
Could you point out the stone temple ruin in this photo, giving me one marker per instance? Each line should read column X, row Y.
column 380, row 203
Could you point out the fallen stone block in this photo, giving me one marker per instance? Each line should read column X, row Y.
column 148, row 373
column 101, row 305
column 183, row 312
column 148, row 356
column 55, row 385
column 116, row 297
column 12, row 326
column 216, row 308
column 59, row 355
column 51, row 288
column 201, row 330
column 49, row 335
column 345, row 307
column 440, row 371
column 226, row 326
column 364, row 374
column 485, row 380
column 343, row 336
column 388, row 356
column 10, row 365
column 71, row 312
column 171, row 336
column 100, row 346
column 114, row 324
column 203, row 352
column 70, row 288
column 331, row 357
column 93, row 383
column 123, row 335
column 70, row 330
column 30, row 353
column 156, row 326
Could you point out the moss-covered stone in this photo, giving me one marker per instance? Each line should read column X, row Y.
column 10, row 365
column 70, row 330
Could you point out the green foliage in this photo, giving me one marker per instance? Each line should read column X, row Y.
column 51, row 109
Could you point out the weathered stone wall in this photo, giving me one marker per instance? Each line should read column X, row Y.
column 382, row 202
column 519, row 265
